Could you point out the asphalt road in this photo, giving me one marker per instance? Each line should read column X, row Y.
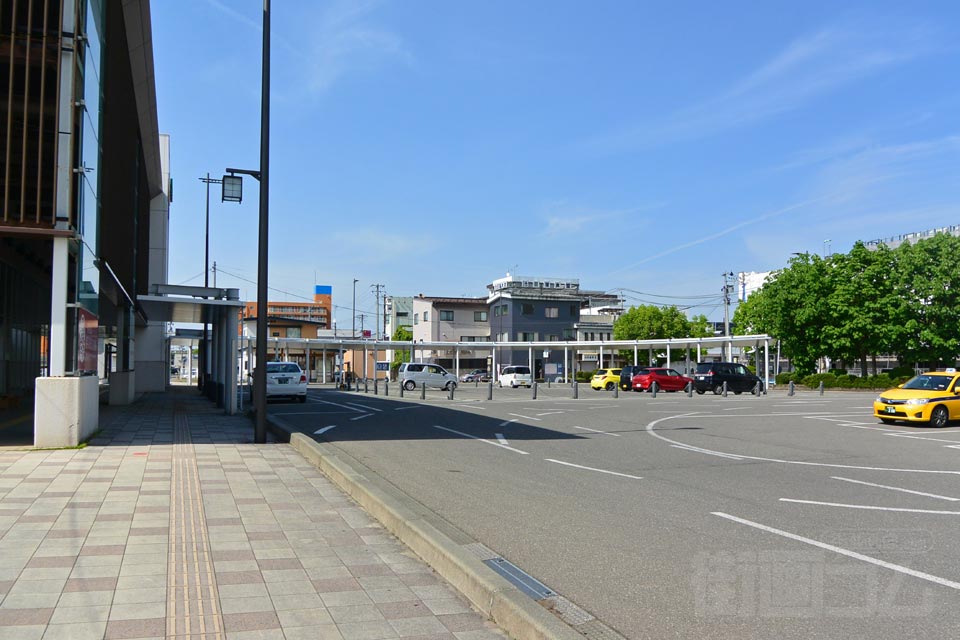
column 681, row 517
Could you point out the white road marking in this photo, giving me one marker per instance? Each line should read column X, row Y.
column 324, row 430
column 650, row 431
column 465, row 405
column 550, row 413
column 578, row 466
column 706, row 451
column 870, row 507
column 907, row 435
column 524, row 417
column 342, row 406
column 845, row 552
column 415, row 406
column 506, row 422
column 598, row 431
column 467, row 435
column 883, row 486
column 366, row 415
column 364, row 407
column 501, row 439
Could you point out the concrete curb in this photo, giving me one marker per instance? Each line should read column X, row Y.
column 423, row 531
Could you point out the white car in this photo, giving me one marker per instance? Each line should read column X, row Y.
column 429, row 375
column 286, row 380
column 515, row 376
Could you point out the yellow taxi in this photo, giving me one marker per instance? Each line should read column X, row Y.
column 605, row 379
column 933, row 398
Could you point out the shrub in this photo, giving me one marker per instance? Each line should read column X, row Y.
column 786, row 378
column 813, row 381
column 838, row 372
column 584, row 376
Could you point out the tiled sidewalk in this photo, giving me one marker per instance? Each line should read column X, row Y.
column 171, row 524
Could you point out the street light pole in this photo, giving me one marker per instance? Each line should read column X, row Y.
column 204, row 358
column 260, row 373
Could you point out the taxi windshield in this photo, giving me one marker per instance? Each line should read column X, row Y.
column 930, row 383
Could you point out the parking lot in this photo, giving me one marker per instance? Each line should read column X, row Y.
column 706, row 516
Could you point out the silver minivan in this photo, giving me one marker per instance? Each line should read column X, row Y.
column 412, row 374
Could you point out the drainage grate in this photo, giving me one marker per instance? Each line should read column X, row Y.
column 520, row 579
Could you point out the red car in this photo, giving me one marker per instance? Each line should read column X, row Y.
column 666, row 379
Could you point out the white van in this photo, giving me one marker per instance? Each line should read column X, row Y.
column 515, row 376
column 412, row 374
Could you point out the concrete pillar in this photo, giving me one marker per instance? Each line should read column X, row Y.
column 58, row 307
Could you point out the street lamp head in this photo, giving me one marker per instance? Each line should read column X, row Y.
column 232, row 189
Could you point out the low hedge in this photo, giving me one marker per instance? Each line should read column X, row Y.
column 831, row 381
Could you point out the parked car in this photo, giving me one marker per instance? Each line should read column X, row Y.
column 605, row 379
column 710, row 376
column 515, row 376
column 286, row 380
column 412, row 374
column 477, row 375
column 626, row 376
column 932, row 397
column 665, row 379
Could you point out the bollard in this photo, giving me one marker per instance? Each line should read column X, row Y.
column 452, row 387
column 366, row 387
column 790, row 391
column 689, row 389
column 533, row 390
column 616, row 390
column 576, row 390
column 423, row 392
column 401, row 388
column 653, row 389
column 376, row 387
column 724, row 389
column 548, row 384
column 490, row 390
column 386, row 387
column 821, row 387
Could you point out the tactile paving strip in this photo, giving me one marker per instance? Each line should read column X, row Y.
column 193, row 606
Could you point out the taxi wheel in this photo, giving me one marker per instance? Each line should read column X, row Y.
column 610, row 386
column 939, row 417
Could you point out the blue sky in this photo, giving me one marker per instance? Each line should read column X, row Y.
column 432, row 146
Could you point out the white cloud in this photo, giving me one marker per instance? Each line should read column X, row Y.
column 806, row 69
column 344, row 41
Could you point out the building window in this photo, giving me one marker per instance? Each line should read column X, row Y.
column 526, row 309
column 403, row 314
column 527, row 336
column 416, row 318
column 426, row 316
column 569, row 334
column 293, row 332
column 552, row 312
column 553, row 338
column 501, row 310
column 479, row 316
column 503, row 337
column 446, row 316
column 573, row 311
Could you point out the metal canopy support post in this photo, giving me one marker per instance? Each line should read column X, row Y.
column 636, row 349
column 530, row 362
column 600, row 364
column 668, row 355
column 766, row 365
column 566, row 370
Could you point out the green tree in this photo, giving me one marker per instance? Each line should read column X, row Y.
column 926, row 318
column 650, row 322
column 402, row 334
column 860, row 304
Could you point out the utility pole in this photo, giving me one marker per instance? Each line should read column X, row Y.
column 727, row 289
column 214, row 274
column 376, row 289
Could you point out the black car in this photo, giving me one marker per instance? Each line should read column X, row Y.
column 627, row 373
column 710, row 376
